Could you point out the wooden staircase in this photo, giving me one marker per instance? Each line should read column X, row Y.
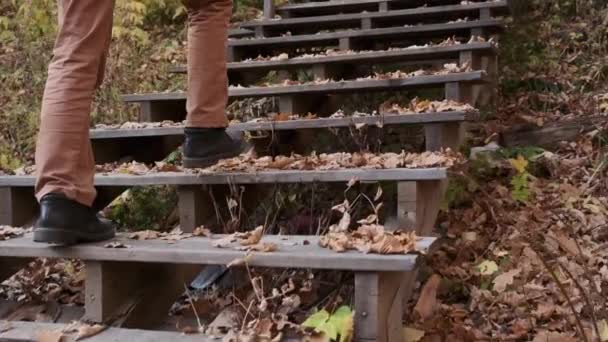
column 148, row 276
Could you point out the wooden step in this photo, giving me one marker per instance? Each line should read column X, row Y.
column 293, row 252
column 314, row 8
column 196, row 202
column 29, row 332
column 368, row 20
column 240, row 33
column 129, row 281
column 421, row 55
column 259, row 177
column 239, row 49
column 302, row 98
column 375, row 120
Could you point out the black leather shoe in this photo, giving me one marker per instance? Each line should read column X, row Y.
column 205, row 146
column 66, row 222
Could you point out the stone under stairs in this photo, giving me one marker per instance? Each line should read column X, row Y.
column 341, row 43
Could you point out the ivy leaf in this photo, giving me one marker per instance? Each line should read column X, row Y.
column 316, row 320
column 340, row 324
column 342, row 320
column 520, row 164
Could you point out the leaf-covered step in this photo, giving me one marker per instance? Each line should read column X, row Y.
column 363, row 20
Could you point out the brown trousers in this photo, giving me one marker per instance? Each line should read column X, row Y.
column 64, row 158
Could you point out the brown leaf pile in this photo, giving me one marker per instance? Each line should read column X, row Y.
column 336, row 161
column 370, row 239
column 45, row 281
column 526, row 249
column 249, row 241
column 398, row 74
column 140, row 125
column 417, row 106
column 8, row 232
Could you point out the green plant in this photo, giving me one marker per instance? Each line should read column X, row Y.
column 333, row 326
column 145, row 208
column 520, row 189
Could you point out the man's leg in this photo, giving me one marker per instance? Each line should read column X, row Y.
column 206, row 139
column 64, row 159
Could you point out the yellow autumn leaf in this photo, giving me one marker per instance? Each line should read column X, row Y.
column 603, row 328
column 487, row 267
column 520, row 164
column 412, row 335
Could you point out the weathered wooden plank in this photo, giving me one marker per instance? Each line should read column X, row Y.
column 343, row 6
column 322, row 39
column 377, row 120
column 239, row 33
column 552, row 133
column 375, row 57
column 28, row 332
column 17, row 206
column 378, row 306
column 443, row 135
column 354, row 86
column 195, row 206
column 287, row 176
column 401, row 17
column 293, row 251
column 269, row 9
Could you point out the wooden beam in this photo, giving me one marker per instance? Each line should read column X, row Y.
column 378, row 306
column 366, row 23
column 269, row 9
column 383, row 6
column 429, row 197
column 195, row 206
column 551, row 134
column 485, row 13
column 129, row 293
column 406, row 205
column 443, row 135
column 345, row 44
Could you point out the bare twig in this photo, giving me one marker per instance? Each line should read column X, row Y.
column 562, row 289
column 198, row 319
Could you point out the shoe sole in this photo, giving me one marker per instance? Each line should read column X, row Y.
column 67, row 237
column 195, row 163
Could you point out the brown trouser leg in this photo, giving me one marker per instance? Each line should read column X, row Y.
column 208, row 22
column 64, row 159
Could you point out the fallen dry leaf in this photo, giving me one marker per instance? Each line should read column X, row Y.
column 85, row 331
column 116, row 244
column 238, row 261
column 8, row 232
column 505, row 279
column 5, row 327
column 251, row 238
column 412, row 335
column 49, row 336
column 144, row 235
column 427, row 302
column 201, row 231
